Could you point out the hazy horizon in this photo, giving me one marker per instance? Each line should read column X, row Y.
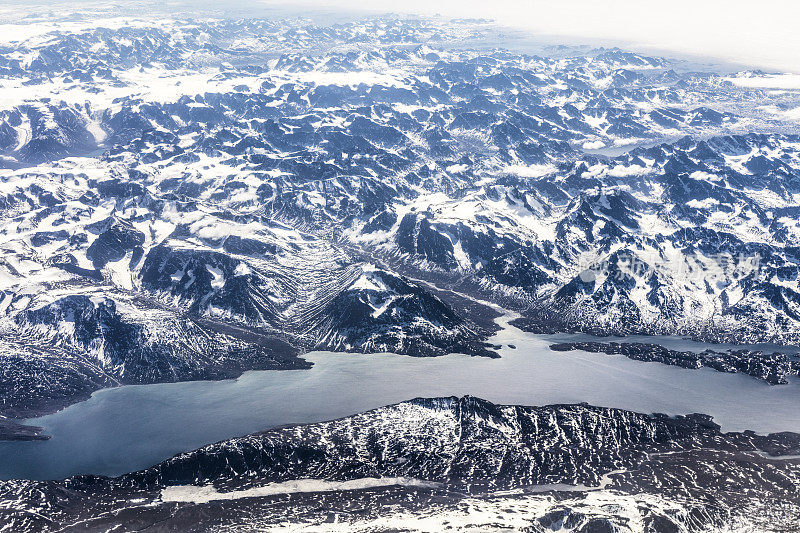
column 737, row 32
column 732, row 31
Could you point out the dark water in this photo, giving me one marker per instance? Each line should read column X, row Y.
column 129, row 428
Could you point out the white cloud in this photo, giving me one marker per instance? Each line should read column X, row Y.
column 762, row 33
column 593, row 145
column 779, row 81
column 754, row 34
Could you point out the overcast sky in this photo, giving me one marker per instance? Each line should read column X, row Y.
column 763, row 33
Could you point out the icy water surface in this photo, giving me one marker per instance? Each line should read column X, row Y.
column 133, row 427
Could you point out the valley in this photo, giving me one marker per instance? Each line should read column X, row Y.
column 389, row 273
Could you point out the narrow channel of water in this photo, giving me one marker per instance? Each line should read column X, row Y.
column 129, row 428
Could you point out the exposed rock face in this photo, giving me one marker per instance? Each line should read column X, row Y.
column 443, row 453
column 11, row 430
column 258, row 204
column 773, row 368
column 381, row 311
column 64, row 351
column 300, row 185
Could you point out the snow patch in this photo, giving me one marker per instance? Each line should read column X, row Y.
column 593, row 145
column 529, row 171
column 208, row 493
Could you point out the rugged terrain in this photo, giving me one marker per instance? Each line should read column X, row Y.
column 428, row 463
column 188, row 199
column 774, row 368
column 192, row 199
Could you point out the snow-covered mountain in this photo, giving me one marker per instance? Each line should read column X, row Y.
column 192, row 198
column 446, row 463
column 186, row 199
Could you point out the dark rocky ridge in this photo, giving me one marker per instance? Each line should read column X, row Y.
column 470, row 447
column 12, row 430
column 61, row 353
column 242, row 211
column 384, row 314
column 213, row 232
column 773, row 368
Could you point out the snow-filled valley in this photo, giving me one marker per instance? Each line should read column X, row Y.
column 284, row 211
